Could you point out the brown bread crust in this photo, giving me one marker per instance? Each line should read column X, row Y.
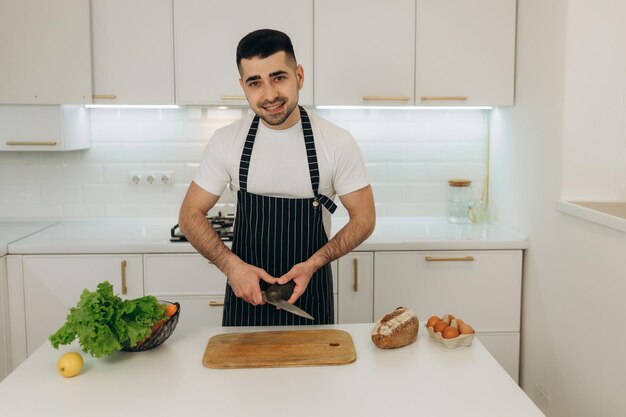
column 396, row 329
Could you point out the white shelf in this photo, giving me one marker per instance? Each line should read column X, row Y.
column 607, row 213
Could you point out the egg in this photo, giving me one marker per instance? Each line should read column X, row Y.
column 459, row 321
column 439, row 326
column 432, row 321
column 466, row 329
column 450, row 332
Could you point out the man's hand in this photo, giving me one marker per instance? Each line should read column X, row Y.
column 244, row 281
column 300, row 274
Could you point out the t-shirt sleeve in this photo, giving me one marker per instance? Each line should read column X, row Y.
column 212, row 174
column 350, row 173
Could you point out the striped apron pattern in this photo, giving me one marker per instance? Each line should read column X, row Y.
column 275, row 234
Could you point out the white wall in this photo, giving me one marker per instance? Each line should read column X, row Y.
column 574, row 271
column 594, row 163
column 409, row 156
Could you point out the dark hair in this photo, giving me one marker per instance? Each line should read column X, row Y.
column 263, row 43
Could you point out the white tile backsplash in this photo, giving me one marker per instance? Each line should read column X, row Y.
column 409, row 155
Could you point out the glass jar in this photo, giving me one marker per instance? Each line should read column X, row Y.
column 459, row 200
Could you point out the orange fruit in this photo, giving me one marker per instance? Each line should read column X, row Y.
column 170, row 310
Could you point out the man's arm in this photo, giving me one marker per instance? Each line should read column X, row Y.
column 360, row 206
column 244, row 278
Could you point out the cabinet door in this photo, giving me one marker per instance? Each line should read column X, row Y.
column 356, row 285
column 133, row 56
column 54, row 283
column 44, row 128
column 504, row 347
column 364, row 52
column 46, row 52
column 206, row 34
column 465, row 52
column 199, row 290
column 4, row 324
column 481, row 287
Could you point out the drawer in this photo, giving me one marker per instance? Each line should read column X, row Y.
column 196, row 311
column 188, row 274
column 481, row 287
column 182, row 274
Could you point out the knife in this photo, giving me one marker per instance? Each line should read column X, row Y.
column 277, row 295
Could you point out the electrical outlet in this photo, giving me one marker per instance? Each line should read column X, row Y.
column 166, row 177
column 134, row 178
column 150, row 178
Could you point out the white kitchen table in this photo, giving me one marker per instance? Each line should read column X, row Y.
column 422, row 379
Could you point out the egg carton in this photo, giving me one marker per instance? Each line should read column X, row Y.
column 462, row 340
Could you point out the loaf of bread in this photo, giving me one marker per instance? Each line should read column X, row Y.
column 396, row 329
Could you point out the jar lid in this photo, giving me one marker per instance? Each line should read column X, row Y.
column 459, row 182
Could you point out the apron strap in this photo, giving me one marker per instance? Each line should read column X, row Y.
column 314, row 172
column 244, row 164
column 311, row 155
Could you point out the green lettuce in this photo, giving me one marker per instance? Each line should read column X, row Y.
column 103, row 323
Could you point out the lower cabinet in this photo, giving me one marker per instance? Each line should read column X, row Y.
column 481, row 287
column 195, row 283
column 190, row 280
column 355, row 281
column 4, row 325
column 43, row 287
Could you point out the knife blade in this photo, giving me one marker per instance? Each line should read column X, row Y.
column 282, row 304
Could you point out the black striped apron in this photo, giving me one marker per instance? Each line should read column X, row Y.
column 275, row 234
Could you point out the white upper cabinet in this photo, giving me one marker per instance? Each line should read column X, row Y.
column 206, row 34
column 46, row 52
column 465, row 52
column 133, row 56
column 44, row 128
column 364, row 52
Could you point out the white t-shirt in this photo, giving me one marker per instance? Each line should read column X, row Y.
column 279, row 165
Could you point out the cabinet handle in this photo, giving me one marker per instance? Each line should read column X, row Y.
column 104, row 96
column 443, row 98
column 460, row 259
column 386, row 98
column 124, row 289
column 33, row 143
column 356, row 275
column 216, row 303
column 232, row 97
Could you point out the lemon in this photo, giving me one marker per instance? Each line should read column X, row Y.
column 70, row 364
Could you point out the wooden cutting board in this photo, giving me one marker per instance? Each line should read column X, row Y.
column 279, row 349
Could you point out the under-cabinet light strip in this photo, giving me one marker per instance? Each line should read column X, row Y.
column 405, row 107
column 132, row 106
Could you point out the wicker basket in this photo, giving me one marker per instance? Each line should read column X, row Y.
column 160, row 335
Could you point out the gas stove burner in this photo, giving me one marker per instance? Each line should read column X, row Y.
column 223, row 226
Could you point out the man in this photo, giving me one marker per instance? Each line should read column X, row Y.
column 287, row 167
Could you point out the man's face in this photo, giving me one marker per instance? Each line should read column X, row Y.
column 272, row 88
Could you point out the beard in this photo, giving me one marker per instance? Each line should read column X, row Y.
column 276, row 119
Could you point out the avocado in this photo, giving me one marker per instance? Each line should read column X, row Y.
column 277, row 292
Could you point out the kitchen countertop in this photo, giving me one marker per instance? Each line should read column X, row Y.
column 423, row 378
column 152, row 236
column 10, row 231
